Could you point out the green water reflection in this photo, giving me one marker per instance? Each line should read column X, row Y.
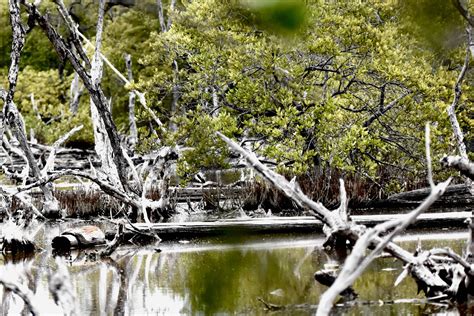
column 224, row 276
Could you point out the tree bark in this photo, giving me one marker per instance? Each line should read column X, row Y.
column 101, row 139
column 13, row 117
column 95, row 91
column 161, row 18
column 131, row 104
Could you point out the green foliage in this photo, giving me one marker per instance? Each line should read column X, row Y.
column 38, row 51
column 51, row 96
column 436, row 23
column 125, row 34
column 208, row 151
column 314, row 97
column 279, row 16
column 346, row 85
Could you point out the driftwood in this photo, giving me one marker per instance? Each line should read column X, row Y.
column 81, row 237
column 118, row 239
column 125, row 178
column 464, row 165
column 343, row 232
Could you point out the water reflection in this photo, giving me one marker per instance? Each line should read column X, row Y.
column 215, row 276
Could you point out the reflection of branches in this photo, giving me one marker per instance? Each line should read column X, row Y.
column 23, row 292
column 61, row 288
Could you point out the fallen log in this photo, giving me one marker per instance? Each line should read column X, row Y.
column 81, row 237
column 458, row 195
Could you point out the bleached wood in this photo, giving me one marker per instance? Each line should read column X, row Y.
column 140, row 95
column 131, row 104
column 49, row 166
column 12, row 115
column 358, row 261
column 294, row 192
column 458, row 134
column 161, row 18
column 102, row 144
column 465, row 166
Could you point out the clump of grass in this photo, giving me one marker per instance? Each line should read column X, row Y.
column 85, row 203
column 321, row 184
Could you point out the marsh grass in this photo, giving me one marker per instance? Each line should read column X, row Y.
column 85, row 203
column 320, row 185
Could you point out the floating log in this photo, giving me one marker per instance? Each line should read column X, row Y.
column 300, row 224
column 456, row 195
column 81, row 237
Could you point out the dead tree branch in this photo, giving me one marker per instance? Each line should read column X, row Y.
column 339, row 225
column 95, row 91
column 457, row 96
column 23, row 292
column 115, row 242
column 140, row 95
column 464, row 11
column 13, row 116
column 357, row 262
column 291, row 190
column 464, row 165
column 131, row 104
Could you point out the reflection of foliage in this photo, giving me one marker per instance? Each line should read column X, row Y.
column 231, row 280
column 227, row 281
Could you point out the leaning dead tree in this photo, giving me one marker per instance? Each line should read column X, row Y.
column 12, row 118
column 433, row 275
column 117, row 174
column 457, row 131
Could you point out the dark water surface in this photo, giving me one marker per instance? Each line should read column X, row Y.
column 221, row 276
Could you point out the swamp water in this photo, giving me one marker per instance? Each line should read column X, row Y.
column 225, row 275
